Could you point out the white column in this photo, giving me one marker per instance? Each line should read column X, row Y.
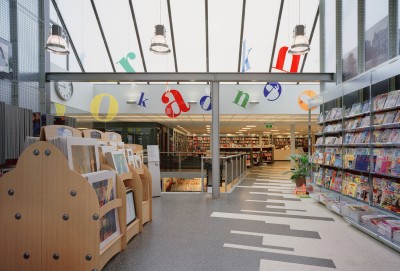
column 215, row 139
column 292, row 143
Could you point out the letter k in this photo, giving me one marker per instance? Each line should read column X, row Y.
column 142, row 101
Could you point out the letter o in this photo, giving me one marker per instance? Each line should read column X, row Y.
column 112, row 109
column 203, row 101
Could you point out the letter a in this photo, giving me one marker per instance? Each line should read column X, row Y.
column 245, row 99
column 169, row 111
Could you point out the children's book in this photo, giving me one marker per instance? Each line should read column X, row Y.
column 391, row 99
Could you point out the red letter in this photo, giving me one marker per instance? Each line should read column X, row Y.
column 178, row 100
column 281, row 60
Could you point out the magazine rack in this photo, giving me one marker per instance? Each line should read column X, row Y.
column 50, row 215
column 52, row 131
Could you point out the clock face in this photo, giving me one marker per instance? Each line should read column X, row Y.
column 64, row 90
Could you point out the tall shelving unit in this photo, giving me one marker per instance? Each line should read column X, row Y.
column 357, row 152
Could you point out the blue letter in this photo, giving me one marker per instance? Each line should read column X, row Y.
column 142, row 102
column 203, row 101
column 272, row 87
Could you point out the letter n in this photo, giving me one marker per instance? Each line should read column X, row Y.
column 245, row 99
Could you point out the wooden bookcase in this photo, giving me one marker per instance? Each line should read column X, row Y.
column 50, row 215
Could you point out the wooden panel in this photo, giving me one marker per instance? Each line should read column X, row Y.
column 112, row 136
column 109, row 206
column 132, row 229
column 146, row 211
column 126, row 175
column 110, row 251
column 52, row 131
column 150, row 191
column 78, row 236
column 24, row 235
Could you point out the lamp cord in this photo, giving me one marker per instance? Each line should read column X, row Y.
column 160, row 11
column 299, row 11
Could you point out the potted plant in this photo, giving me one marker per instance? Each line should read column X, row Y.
column 300, row 170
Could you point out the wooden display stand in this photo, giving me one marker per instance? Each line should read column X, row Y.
column 145, row 177
column 132, row 181
column 112, row 136
column 50, row 215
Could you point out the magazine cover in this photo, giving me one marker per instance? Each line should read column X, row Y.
column 389, row 117
column 366, row 106
column 391, row 99
column 83, row 155
column 109, row 228
column 103, row 182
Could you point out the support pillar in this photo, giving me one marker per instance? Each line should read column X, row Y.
column 292, row 143
column 215, row 139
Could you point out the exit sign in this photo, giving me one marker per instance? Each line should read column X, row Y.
column 268, row 125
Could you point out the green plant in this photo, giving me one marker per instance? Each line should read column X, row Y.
column 301, row 167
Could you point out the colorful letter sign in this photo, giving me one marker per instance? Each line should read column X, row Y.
column 245, row 99
column 124, row 62
column 112, row 108
column 303, row 99
column 203, row 103
column 273, row 90
column 169, row 110
column 281, row 60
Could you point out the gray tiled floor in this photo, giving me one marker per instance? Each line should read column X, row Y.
column 248, row 231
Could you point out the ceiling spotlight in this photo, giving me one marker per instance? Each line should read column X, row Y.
column 300, row 44
column 158, row 42
column 56, row 43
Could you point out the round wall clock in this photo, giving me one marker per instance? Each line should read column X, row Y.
column 64, row 90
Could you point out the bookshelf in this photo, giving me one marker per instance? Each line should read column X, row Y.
column 281, row 142
column 357, row 152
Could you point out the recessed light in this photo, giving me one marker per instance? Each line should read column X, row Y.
column 274, row 130
column 246, row 128
column 251, row 126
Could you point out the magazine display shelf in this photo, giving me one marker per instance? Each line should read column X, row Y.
column 124, row 181
column 146, row 179
column 361, row 226
column 366, row 128
column 50, row 215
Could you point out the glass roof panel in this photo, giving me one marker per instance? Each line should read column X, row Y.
column 296, row 12
column 224, row 34
column 312, row 62
column 84, row 31
column 148, row 15
column 188, row 19
column 259, row 33
column 119, row 30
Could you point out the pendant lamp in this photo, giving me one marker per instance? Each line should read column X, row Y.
column 158, row 42
column 300, row 44
column 56, row 43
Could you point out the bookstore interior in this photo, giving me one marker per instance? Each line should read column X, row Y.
column 95, row 132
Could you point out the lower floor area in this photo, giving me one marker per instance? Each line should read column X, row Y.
column 261, row 225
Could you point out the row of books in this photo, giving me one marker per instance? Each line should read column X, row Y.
column 329, row 140
column 358, row 122
column 391, row 136
column 333, row 127
column 383, row 101
column 357, row 138
column 386, row 100
column 385, row 161
column 386, row 118
column 386, row 192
